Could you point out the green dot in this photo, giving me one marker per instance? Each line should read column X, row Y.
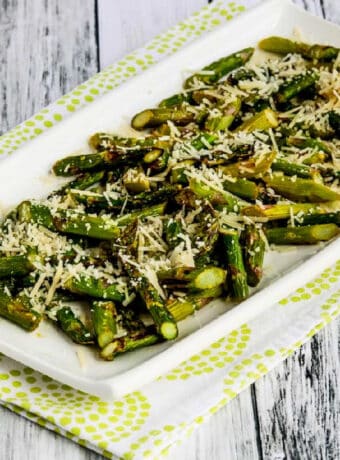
column 90, row 428
column 305, row 296
column 52, row 386
column 169, row 428
column 15, row 372
column 35, row 390
column 269, row 352
column 65, row 421
column 234, row 374
column 4, row 376
column 48, row 124
column 70, row 108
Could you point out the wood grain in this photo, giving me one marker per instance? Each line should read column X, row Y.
column 298, row 403
column 50, row 46
column 125, row 25
column 47, row 48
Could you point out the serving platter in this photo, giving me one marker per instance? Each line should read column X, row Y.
column 24, row 175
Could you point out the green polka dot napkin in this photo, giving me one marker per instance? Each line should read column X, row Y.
column 143, row 424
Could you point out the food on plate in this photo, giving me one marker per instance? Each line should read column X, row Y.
column 152, row 228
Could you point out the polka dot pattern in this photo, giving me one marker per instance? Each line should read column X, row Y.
column 142, row 424
column 316, row 287
column 218, row 355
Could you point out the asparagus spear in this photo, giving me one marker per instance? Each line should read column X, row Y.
column 309, row 234
column 105, row 141
column 321, row 152
column 73, row 326
column 295, row 86
column 85, row 225
column 29, row 211
column 214, row 196
column 243, row 188
column 235, row 264
column 18, row 310
column 104, row 321
column 293, row 169
column 283, row 45
column 129, row 343
column 223, row 121
column 251, row 168
column 284, row 211
column 152, row 118
column 165, row 324
column 262, row 121
column 208, row 237
column 297, row 189
column 173, row 229
column 96, row 288
column 240, row 74
column 77, row 164
column 319, row 218
column 208, row 277
column 178, row 172
column 176, row 100
column 106, row 201
column 17, row 265
column 183, row 307
column 155, row 304
column 82, row 182
column 304, row 142
column 220, row 68
column 155, row 210
column 253, row 255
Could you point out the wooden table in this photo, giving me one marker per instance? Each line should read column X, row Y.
column 47, row 48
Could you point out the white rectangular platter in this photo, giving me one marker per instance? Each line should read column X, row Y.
column 23, row 175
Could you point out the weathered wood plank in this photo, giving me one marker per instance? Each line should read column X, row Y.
column 21, row 439
column 229, row 434
column 47, row 48
column 299, row 402
column 125, row 25
column 328, row 9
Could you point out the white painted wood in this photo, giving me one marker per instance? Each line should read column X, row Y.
column 125, row 25
column 229, row 435
column 47, row 48
column 24, row 440
column 328, row 9
column 293, row 412
column 299, row 402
